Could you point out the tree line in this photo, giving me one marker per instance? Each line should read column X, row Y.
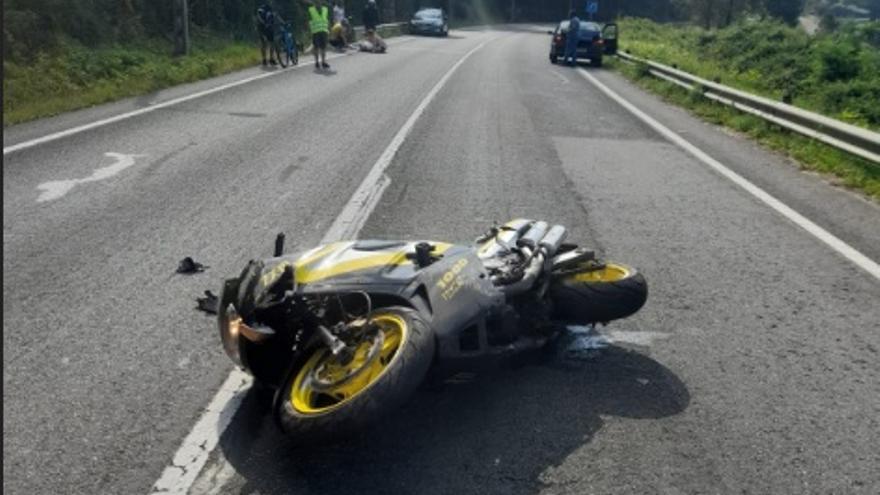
column 34, row 25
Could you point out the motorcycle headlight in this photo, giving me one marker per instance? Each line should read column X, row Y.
column 230, row 330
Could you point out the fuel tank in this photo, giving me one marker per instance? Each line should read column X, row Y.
column 452, row 291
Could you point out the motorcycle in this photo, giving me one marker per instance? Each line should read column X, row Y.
column 347, row 331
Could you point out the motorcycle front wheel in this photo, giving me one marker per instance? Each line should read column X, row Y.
column 327, row 396
column 598, row 293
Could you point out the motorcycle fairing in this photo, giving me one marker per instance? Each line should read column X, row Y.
column 454, row 293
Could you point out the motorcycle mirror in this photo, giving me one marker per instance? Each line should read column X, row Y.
column 279, row 244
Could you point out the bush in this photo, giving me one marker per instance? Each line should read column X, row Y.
column 837, row 73
column 836, row 61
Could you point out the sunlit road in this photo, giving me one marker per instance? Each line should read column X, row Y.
column 753, row 368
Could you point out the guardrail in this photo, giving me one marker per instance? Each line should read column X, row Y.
column 853, row 139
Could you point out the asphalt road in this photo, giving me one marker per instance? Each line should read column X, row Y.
column 752, row 369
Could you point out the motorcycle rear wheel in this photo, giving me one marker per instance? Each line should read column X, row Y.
column 600, row 295
column 384, row 373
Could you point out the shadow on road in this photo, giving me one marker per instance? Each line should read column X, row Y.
column 496, row 434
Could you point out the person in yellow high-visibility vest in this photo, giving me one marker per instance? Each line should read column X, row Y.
column 319, row 25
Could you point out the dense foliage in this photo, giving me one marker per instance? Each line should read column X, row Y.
column 837, row 74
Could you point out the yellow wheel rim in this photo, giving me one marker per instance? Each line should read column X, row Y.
column 610, row 273
column 309, row 395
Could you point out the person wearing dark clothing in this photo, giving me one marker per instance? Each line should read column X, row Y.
column 572, row 38
column 266, row 20
column 371, row 16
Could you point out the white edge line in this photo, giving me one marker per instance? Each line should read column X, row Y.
column 134, row 113
column 193, row 453
column 818, row 232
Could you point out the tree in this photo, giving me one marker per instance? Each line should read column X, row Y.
column 787, row 10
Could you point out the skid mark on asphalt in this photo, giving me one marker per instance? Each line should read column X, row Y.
column 56, row 189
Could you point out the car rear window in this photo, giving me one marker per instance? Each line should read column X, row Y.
column 586, row 30
column 428, row 14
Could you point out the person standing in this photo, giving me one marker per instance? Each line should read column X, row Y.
column 572, row 38
column 266, row 27
column 319, row 25
column 338, row 12
column 371, row 16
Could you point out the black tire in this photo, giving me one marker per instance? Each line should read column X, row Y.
column 598, row 301
column 596, row 62
column 395, row 384
column 554, row 59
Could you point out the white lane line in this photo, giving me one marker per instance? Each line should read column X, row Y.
column 818, row 232
column 152, row 108
column 190, row 458
column 193, row 453
column 361, row 204
column 55, row 189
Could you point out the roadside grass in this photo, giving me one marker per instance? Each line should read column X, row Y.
column 836, row 74
column 74, row 76
column 845, row 169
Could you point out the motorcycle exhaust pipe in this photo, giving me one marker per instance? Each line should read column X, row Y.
column 533, row 236
column 554, row 238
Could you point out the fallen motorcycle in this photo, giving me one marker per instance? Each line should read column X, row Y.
column 347, row 331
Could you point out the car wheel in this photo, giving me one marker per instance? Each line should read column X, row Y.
column 596, row 62
column 554, row 59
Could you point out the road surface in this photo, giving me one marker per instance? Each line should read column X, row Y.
column 753, row 368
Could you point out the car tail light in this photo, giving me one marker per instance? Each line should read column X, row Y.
column 557, row 39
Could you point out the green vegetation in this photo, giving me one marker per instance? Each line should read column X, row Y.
column 74, row 76
column 847, row 170
column 836, row 74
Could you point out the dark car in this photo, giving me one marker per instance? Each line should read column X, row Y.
column 593, row 42
column 429, row 21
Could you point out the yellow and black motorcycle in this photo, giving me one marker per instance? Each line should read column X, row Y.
column 347, row 331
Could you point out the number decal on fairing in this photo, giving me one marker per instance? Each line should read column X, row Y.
column 450, row 283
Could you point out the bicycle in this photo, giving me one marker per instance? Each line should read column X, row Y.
column 285, row 47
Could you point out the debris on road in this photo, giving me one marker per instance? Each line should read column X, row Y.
column 209, row 304
column 190, row 266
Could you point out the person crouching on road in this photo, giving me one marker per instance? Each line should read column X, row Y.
column 319, row 22
column 572, row 38
column 372, row 43
column 337, row 37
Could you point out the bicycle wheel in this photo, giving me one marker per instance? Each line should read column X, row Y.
column 280, row 53
column 294, row 53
